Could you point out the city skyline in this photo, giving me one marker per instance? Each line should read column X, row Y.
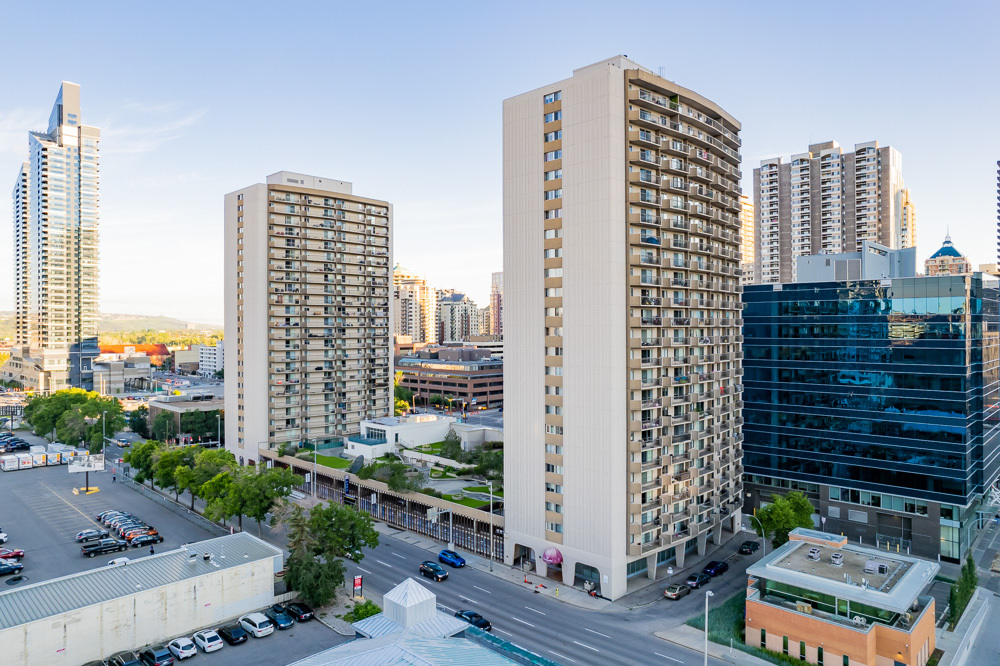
column 175, row 132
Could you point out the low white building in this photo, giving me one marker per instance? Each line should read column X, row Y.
column 91, row 615
column 210, row 359
column 381, row 436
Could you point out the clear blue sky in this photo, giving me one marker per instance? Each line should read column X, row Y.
column 404, row 100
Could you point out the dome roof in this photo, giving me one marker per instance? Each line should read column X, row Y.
column 947, row 250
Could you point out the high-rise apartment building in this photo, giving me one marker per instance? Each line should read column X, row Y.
column 947, row 261
column 308, row 306
column 416, row 311
column 907, row 219
column 747, row 236
column 458, row 316
column 56, row 201
column 622, row 325
column 484, row 321
column 496, row 304
column 824, row 202
column 878, row 399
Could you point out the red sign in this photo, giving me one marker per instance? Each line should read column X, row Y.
column 357, row 583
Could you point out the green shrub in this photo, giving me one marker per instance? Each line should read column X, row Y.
column 366, row 608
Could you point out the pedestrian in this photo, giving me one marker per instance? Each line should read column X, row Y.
column 114, row 478
column 151, row 550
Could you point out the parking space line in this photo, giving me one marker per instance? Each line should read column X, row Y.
column 86, row 517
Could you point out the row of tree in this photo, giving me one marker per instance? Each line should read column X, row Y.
column 229, row 490
column 169, row 338
column 200, row 425
column 76, row 416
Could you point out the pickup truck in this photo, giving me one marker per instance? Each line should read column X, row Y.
column 103, row 546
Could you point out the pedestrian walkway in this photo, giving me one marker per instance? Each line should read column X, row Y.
column 974, row 641
column 694, row 639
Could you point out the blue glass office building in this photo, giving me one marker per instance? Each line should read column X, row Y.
column 878, row 399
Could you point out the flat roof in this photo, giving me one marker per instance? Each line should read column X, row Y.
column 879, row 578
column 105, row 583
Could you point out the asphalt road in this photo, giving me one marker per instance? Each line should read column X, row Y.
column 554, row 629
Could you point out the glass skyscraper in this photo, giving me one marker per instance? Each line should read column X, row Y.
column 878, row 399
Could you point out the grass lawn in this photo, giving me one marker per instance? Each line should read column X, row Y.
column 465, row 501
column 333, row 461
column 483, row 489
column 438, row 474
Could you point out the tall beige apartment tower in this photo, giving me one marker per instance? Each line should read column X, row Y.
column 826, row 201
column 496, row 303
column 415, row 306
column 746, row 239
column 307, row 278
column 621, row 325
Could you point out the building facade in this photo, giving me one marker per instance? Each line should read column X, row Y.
column 485, row 325
column 458, row 316
column 496, row 304
column 878, row 400
column 472, row 377
column 308, row 311
column 211, row 358
column 947, row 261
column 622, row 324
column 747, row 236
column 415, row 311
column 56, row 203
column 907, row 218
column 825, row 201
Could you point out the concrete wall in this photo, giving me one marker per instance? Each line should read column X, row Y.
column 145, row 618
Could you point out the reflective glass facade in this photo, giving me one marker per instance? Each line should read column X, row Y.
column 883, row 386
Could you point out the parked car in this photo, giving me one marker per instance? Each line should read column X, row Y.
column 91, row 535
column 7, row 568
column 696, row 580
column 3, row 537
column 144, row 540
column 182, row 648
column 158, row 655
column 233, row 634
column 103, row 546
column 676, row 591
column 139, row 531
column 279, row 617
column 106, row 512
column 452, row 558
column 475, row 619
column 299, row 611
column 257, row 624
column 208, row 640
column 123, row 442
column 433, row 570
column 749, row 547
column 125, row 658
column 11, row 554
column 118, row 561
column 716, row 568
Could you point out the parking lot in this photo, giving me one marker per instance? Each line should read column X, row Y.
column 281, row 647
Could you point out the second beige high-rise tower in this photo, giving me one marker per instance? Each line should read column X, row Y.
column 621, row 325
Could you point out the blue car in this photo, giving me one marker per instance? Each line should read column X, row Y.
column 452, row 558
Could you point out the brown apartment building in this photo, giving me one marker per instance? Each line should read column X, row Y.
column 472, row 377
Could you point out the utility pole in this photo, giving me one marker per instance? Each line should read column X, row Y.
column 490, row 484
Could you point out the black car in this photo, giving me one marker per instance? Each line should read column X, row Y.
column 90, row 535
column 279, row 617
column 158, row 655
column 233, row 634
column 433, row 570
column 125, row 658
column 299, row 611
column 716, row 568
column 475, row 619
column 749, row 547
column 696, row 580
column 145, row 540
column 7, row 567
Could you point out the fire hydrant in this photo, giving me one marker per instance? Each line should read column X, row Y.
column 557, row 591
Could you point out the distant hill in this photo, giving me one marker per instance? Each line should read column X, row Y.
column 121, row 323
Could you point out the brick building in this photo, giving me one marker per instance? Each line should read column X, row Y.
column 470, row 376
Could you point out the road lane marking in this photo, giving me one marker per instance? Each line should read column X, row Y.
column 522, row 621
column 365, row 570
column 385, row 564
column 670, row 658
column 399, row 556
column 482, row 588
column 596, row 632
column 464, row 598
column 586, row 646
column 535, row 610
column 502, row 631
column 562, row 656
column 446, row 608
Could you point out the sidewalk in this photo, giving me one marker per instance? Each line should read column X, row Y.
column 544, row 586
column 694, row 639
column 957, row 644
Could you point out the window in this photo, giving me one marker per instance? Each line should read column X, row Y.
column 553, row 312
column 553, row 253
column 553, row 175
column 553, row 292
column 553, row 214
column 763, row 638
column 553, row 116
column 552, row 506
column 554, row 527
column 784, row 644
column 847, row 660
column 555, row 410
column 802, row 650
column 553, row 430
column 554, row 351
column 553, row 330
column 553, row 194
column 553, row 390
column 819, row 656
column 553, row 272
column 553, row 155
column 557, row 469
column 555, row 371
column 553, row 233
column 553, row 136
column 552, row 97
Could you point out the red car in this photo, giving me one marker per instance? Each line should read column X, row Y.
column 11, row 554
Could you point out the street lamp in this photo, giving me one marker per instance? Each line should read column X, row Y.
column 218, row 428
column 104, row 432
column 490, row 484
column 762, row 532
column 707, row 595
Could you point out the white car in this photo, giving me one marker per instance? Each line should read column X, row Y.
column 208, row 640
column 118, row 561
column 182, row 648
column 3, row 537
column 257, row 625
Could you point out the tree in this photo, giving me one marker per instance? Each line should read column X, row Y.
column 208, row 463
column 164, row 426
column 315, row 580
column 253, row 493
column 142, row 458
column 342, row 531
column 220, row 373
column 451, row 447
column 166, row 464
column 784, row 514
column 71, row 427
column 138, row 421
column 400, row 407
column 216, row 491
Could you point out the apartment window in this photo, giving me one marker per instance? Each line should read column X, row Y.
column 552, row 506
column 553, row 370
column 555, row 410
column 784, row 644
column 554, row 175
column 553, row 448
column 555, row 469
column 553, row 116
column 553, row 390
column 553, row 292
column 553, row 312
column 553, row 155
column 554, row 351
column 553, row 488
column 763, row 638
column 553, row 194
column 556, row 331
column 553, row 214
column 554, row 527
column 847, row 660
column 553, row 272
column 553, row 136
column 553, row 253
column 552, row 97
column 554, row 430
